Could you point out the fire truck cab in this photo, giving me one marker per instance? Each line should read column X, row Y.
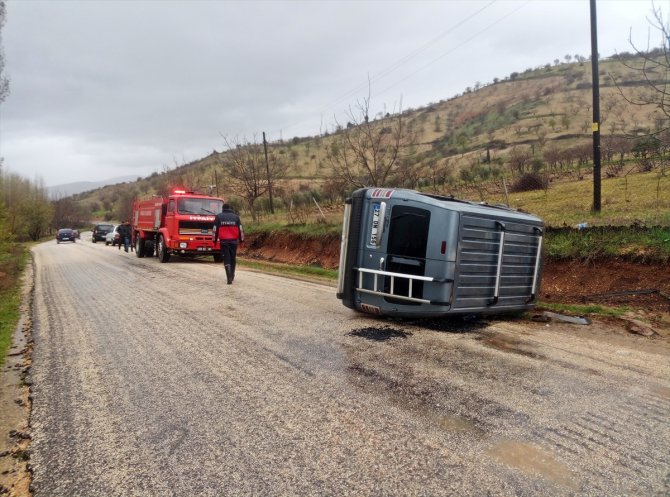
column 180, row 223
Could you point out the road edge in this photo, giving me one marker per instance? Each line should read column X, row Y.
column 16, row 398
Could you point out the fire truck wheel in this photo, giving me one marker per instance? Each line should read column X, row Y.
column 218, row 257
column 139, row 246
column 161, row 251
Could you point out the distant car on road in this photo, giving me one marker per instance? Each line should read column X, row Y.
column 100, row 232
column 112, row 238
column 66, row 235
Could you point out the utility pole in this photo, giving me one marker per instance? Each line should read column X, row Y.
column 596, row 109
column 267, row 169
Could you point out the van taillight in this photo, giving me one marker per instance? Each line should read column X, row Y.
column 443, row 248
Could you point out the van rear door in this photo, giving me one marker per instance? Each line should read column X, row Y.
column 406, row 249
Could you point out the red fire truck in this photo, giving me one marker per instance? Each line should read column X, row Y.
column 180, row 223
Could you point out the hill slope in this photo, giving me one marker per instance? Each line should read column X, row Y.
column 537, row 120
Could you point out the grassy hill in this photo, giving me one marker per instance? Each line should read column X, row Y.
column 476, row 145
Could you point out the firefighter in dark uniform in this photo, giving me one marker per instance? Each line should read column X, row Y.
column 228, row 230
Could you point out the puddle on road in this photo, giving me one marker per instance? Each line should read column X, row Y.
column 454, row 423
column 508, row 344
column 379, row 334
column 411, row 398
column 451, row 324
column 531, row 459
column 662, row 392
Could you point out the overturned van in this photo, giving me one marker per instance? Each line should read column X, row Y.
column 410, row 254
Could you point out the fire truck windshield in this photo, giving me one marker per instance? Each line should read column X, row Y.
column 199, row 205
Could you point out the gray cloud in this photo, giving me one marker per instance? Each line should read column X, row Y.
column 102, row 88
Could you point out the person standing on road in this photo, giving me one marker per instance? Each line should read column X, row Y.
column 124, row 235
column 130, row 237
column 228, row 230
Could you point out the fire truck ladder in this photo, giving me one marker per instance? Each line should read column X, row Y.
column 376, row 290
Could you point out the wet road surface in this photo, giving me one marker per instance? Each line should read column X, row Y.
column 157, row 379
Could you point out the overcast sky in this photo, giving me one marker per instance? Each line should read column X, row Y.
column 102, row 89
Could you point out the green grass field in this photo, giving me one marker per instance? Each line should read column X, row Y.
column 642, row 199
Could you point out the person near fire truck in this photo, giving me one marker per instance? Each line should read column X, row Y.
column 124, row 235
column 228, row 230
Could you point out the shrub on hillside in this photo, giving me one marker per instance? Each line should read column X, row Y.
column 528, row 182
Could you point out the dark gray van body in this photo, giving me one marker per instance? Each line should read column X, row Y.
column 410, row 254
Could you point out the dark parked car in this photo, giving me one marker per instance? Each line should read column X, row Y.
column 100, row 232
column 66, row 235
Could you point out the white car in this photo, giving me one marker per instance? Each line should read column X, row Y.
column 112, row 238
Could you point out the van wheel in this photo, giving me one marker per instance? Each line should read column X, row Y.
column 162, row 251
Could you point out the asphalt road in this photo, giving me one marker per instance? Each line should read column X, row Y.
column 157, row 379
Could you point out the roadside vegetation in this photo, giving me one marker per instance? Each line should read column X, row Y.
column 26, row 215
column 13, row 257
column 290, row 270
column 631, row 243
column 585, row 310
column 307, row 230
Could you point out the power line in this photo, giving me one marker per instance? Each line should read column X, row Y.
column 397, row 64
column 452, row 50
column 409, row 56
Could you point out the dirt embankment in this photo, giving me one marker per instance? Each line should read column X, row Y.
column 293, row 249
column 606, row 281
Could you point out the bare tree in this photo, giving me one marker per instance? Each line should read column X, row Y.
column 654, row 69
column 124, row 204
column 370, row 153
column 4, row 81
column 245, row 166
column 188, row 176
column 519, row 159
column 67, row 213
column 407, row 174
column 551, row 156
column 615, row 149
column 440, row 171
